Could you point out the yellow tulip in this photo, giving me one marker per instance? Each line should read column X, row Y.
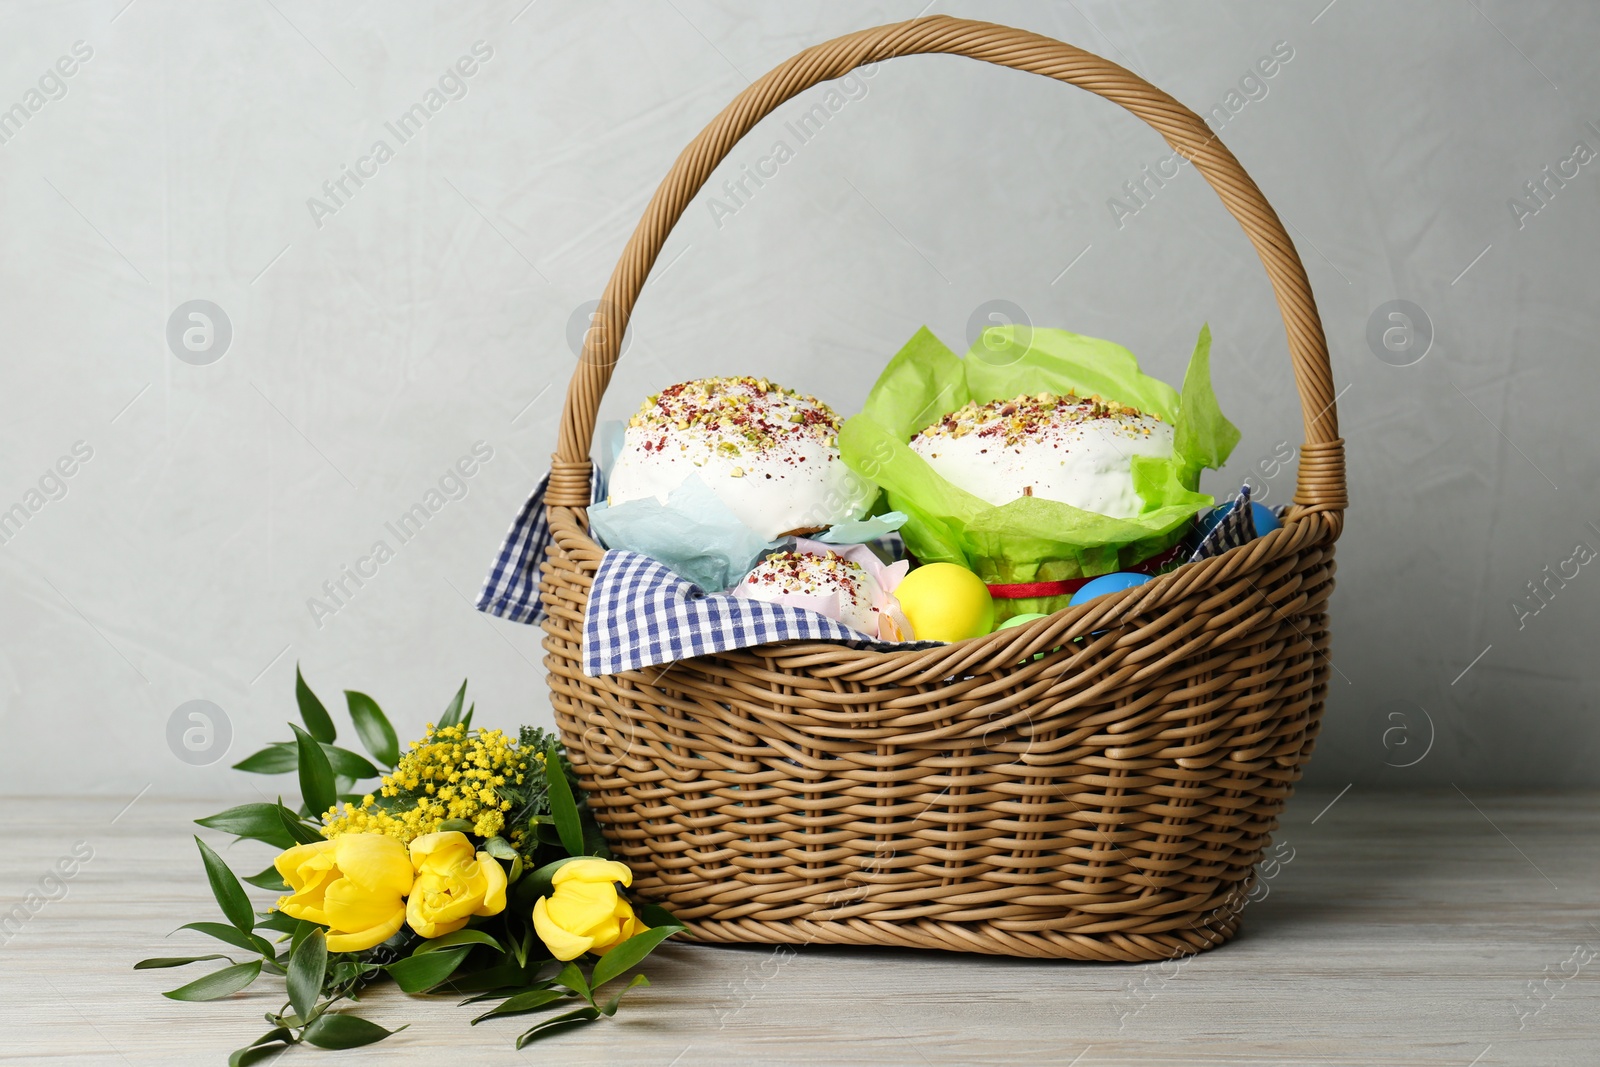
column 354, row 885
column 453, row 883
column 585, row 913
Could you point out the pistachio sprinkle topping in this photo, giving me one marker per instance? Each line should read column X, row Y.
column 1027, row 416
column 742, row 415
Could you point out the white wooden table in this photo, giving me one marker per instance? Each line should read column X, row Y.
column 1407, row 929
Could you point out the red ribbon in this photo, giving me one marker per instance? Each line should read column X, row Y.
column 1020, row 590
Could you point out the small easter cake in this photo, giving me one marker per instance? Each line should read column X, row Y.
column 847, row 584
column 770, row 454
column 1067, row 448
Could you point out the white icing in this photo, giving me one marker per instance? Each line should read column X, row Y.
column 1087, row 464
column 838, row 588
column 797, row 482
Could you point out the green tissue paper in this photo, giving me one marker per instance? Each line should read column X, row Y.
column 1032, row 539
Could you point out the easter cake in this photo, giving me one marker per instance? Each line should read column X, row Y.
column 847, row 584
column 1067, row 448
column 770, row 454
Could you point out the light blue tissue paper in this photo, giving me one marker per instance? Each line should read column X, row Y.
column 694, row 533
column 860, row 531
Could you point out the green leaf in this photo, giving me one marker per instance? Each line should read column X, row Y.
column 278, row 922
column 268, row 879
column 419, row 973
column 316, row 776
column 452, row 714
column 563, row 808
column 504, row 976
column 277, row 758
column 218, row 983
column 176, row 961
column 616, row 1001
column 352, row 765
column 467, row 722
column 345, row 1031
column 226, row 888
column 594, row 841
column 254, row 1054
column 460, row 937
column 545, row 1027
column 281, row 757
column 630, row 953
column 318, row 722
column 504, row 991
column 257, row 821
column 373, row 726
column 653, row 915
column 298, row 937
column 522, row 945
column 262, row 1048
column 572, row 978
column 522, row 1003
column 232, row 935
column 307, row 968
column 299, row 833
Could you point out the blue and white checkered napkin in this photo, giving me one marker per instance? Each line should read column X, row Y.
column 1236, row 527
column 641, row 613
column 512, row 589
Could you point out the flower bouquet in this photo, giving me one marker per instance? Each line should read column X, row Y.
column 468, row 866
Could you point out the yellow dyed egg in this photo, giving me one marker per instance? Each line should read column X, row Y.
column 944, row 602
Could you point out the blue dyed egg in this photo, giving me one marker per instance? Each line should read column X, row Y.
column 1266, row 521
column 1106, row 583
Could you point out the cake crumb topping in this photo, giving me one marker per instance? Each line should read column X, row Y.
column 1027, row 416
column 740, row 414
column 802, row 572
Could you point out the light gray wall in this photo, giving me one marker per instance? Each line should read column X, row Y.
column 373, row 345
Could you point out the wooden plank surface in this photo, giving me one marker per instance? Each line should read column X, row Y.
column 1406, row 929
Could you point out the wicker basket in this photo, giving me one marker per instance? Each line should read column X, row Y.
column 1106, row 801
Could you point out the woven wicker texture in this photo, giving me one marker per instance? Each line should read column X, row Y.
column 1096, row 785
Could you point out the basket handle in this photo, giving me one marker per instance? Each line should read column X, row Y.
column 1320, row 480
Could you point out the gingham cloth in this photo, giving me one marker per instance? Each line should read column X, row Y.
column 1237, row 527
column 640, row 613
column 512, row 589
